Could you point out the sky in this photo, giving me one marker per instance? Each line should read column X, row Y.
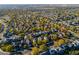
column 37, row 5
column 39, row 1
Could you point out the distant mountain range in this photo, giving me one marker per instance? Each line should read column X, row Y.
column 5, row 6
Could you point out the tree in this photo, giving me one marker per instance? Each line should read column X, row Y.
column 34, row 43
column 54, row 37
column 15, row 31
column 56, row 26
column 59, row 42
column 7, row 48
column 45, row 40
column 63, row 29
column 22, row 35
column 35, row 51
column 25, row 46
column 0, row 25
column 39, row 41
column 43, row 47
column 56, row 44
column 11, row 30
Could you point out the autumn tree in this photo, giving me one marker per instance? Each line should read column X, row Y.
column 35, row 51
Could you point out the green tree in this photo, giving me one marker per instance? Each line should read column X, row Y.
column 45, row 40
column 7, row 48
column 25, row 46
column 39, row 41
column 43, row 47
column 34, row 43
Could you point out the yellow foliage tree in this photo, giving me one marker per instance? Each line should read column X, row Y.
column 35, row 51
column 59, row 42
